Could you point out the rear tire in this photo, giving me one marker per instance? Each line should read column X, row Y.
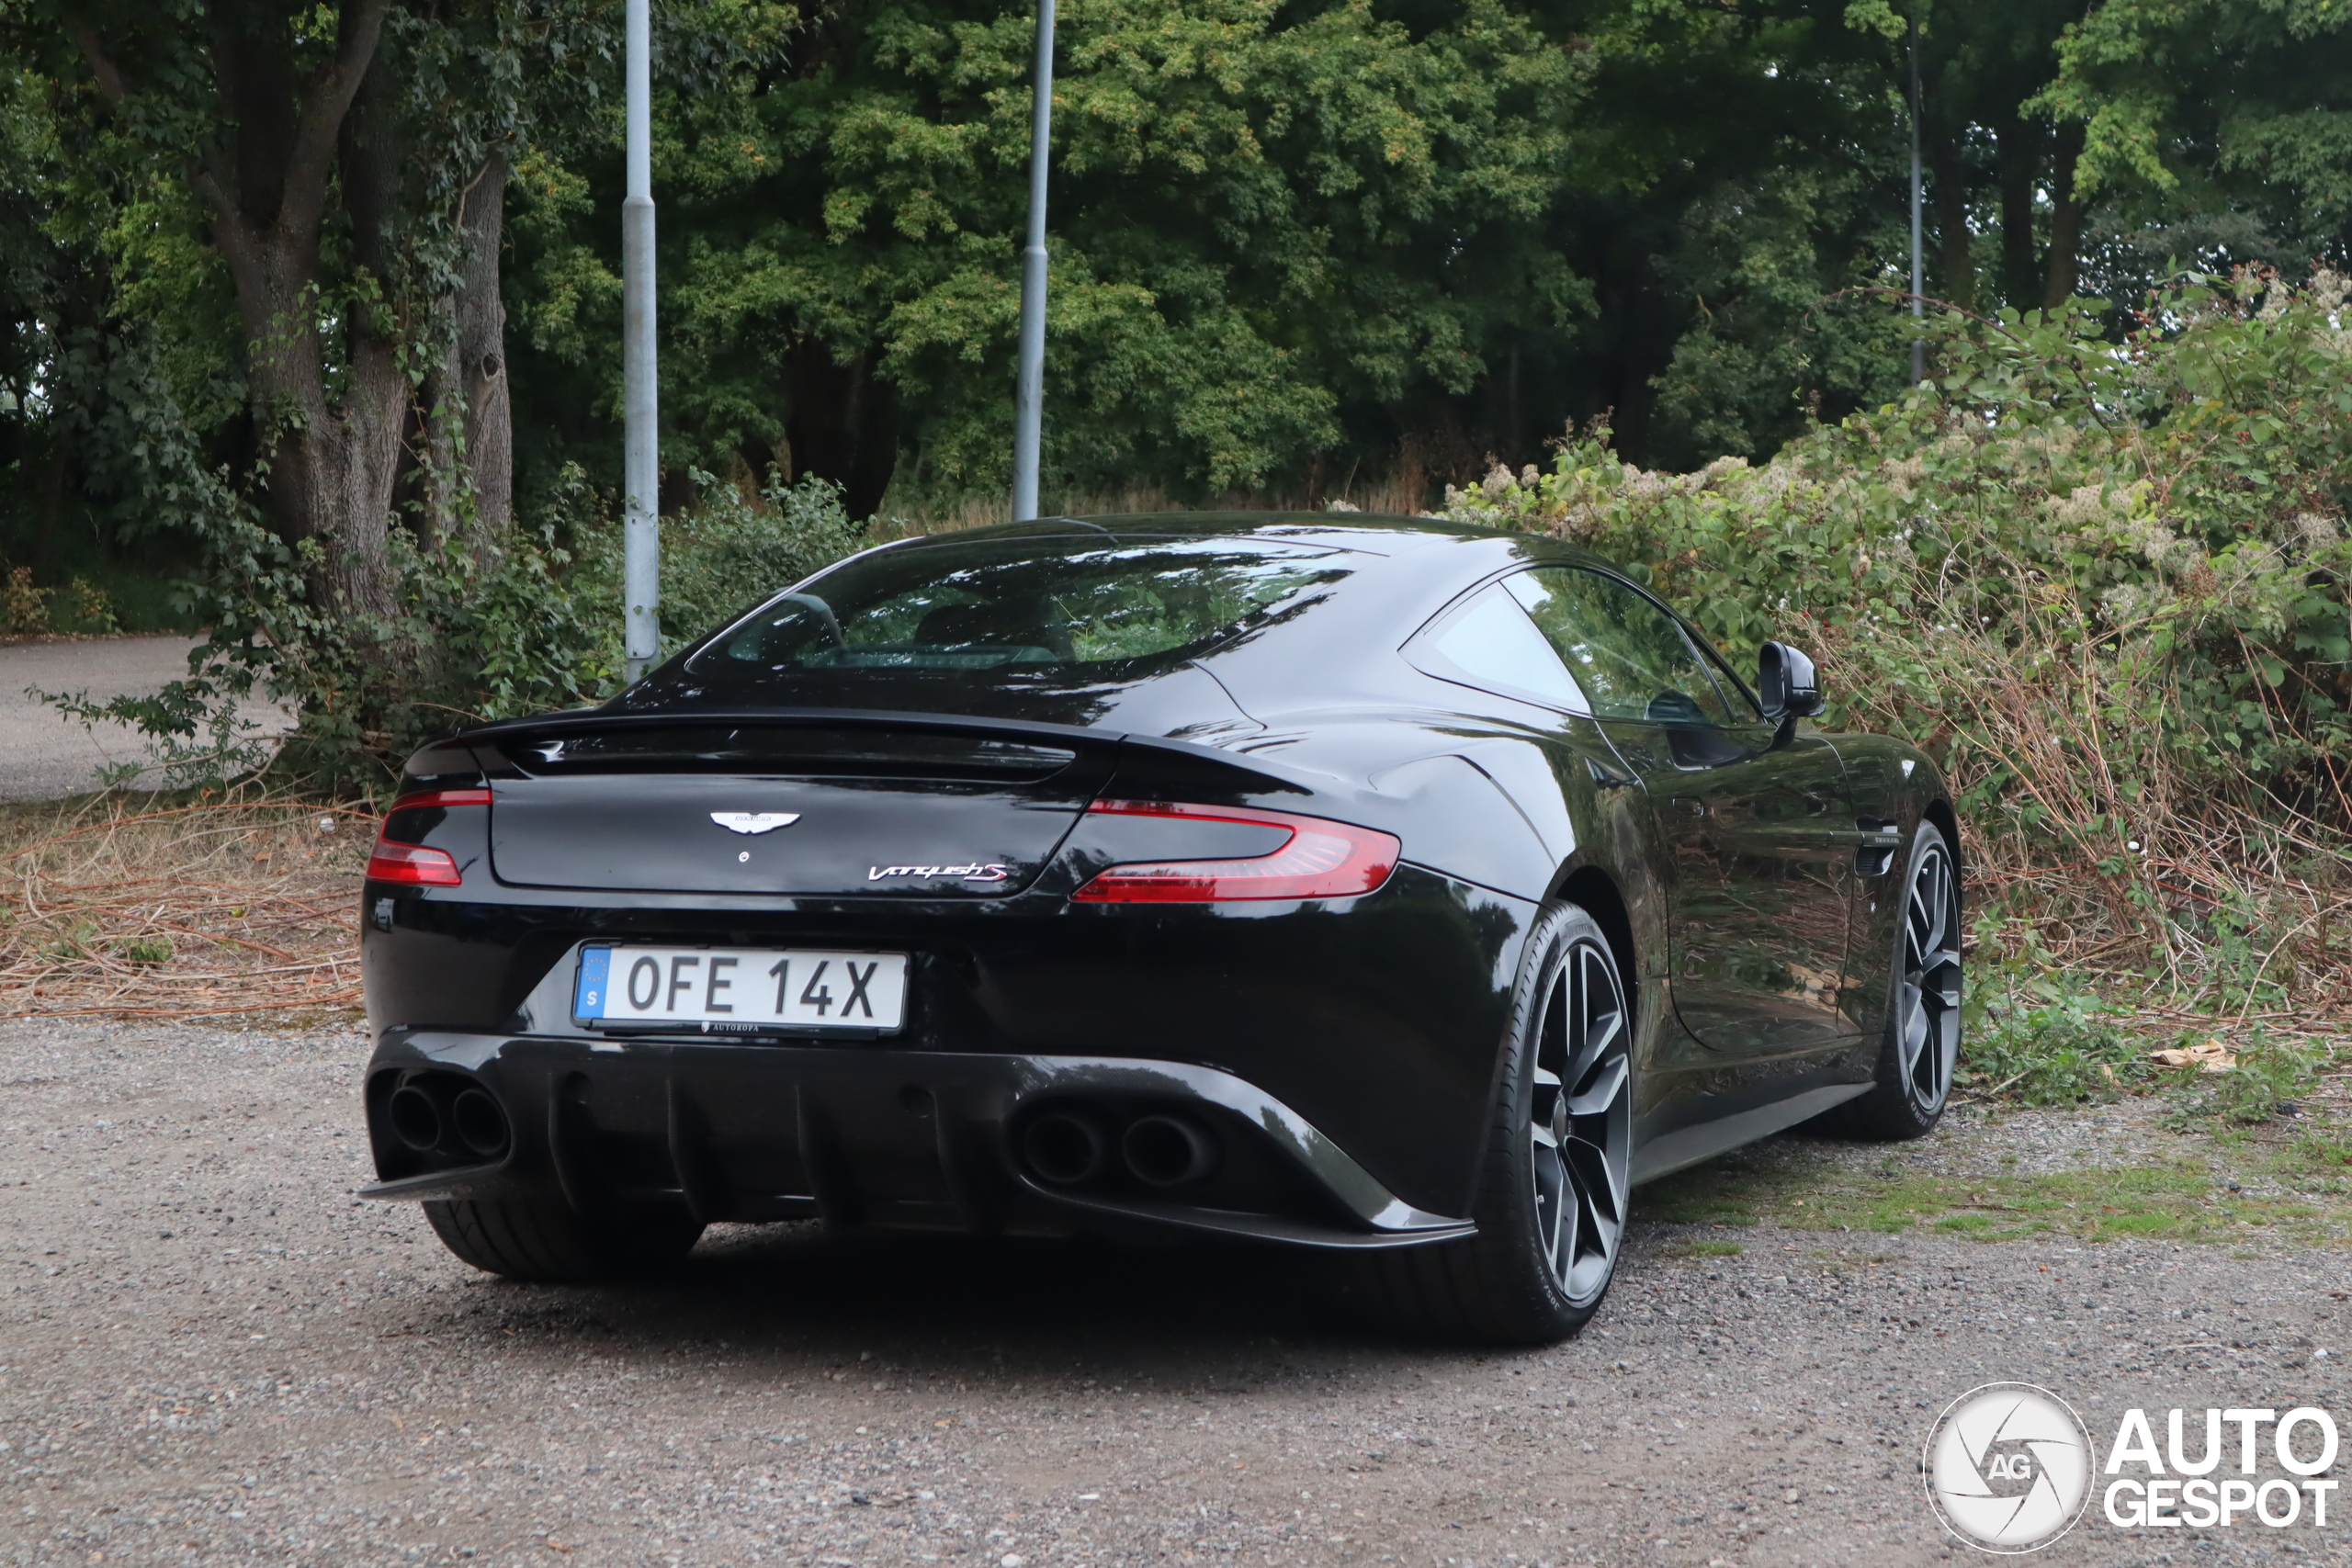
column 1920, row 1045
column 1555, row 1177
column 546, row 1241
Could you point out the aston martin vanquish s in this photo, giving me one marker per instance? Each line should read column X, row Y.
column 1371, row 884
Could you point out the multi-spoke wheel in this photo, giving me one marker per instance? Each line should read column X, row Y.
column 1580, row 1120
column 1922, row 1042
column 1551, row 1193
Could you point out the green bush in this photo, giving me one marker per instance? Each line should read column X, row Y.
column 2103, row 582
column 2047, row 1043
column 732, row 549
column 481, row 631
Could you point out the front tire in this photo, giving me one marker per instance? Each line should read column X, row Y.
column 1921, row 1044
column 1556, row 1174
column 547, row 1242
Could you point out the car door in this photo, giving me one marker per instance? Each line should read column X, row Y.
column 1759, row 829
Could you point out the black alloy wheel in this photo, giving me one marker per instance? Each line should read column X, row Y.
column 1922, row 1041
column 1553, row 1194
column 1580, row 1122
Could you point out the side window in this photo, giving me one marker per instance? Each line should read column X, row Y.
column 1629, row 656
column 1490, row 644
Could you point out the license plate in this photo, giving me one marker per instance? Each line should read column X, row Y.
column 731, row 990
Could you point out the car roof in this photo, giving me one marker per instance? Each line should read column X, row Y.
column 1368, row 532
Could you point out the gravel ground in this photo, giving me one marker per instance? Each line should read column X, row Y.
column 212, row 1353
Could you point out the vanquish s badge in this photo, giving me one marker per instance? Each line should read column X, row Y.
column 754, row 822
column 965, row 873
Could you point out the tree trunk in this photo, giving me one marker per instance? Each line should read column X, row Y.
column 465, row 481
column 330, row 462
column 481, row 356
column 1955, row 263
column 2020, row 142
column 841, row 422
column 2059, row 272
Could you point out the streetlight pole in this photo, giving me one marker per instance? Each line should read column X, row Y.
column 1919, row 306
column 641, row 468
column 1029, row 394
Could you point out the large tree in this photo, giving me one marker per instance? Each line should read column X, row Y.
column 1274, row 226
column 345, row 168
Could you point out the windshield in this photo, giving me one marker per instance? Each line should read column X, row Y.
column 1012, row 607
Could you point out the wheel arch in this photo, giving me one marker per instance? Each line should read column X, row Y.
column 1939, row 812
column 1593, row 890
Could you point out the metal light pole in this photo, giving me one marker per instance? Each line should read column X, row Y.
column 641, row 477
column 1029, row 395
column 1919, row 306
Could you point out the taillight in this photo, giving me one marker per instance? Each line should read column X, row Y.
column 1321, row 859
column 418, row 801
column 413, row 864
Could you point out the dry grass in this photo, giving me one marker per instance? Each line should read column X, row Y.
column 126, row 908
column 2111, row 852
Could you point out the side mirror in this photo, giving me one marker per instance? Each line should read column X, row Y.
column 1788, row 688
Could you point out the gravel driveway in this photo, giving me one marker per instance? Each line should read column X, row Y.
column 210, row 1353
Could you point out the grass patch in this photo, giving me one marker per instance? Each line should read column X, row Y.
column 2182, row 1201
column 1706, row 1249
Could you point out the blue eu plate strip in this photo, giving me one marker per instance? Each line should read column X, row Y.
column 588, row 998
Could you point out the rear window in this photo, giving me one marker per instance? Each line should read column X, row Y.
column 1011, row 607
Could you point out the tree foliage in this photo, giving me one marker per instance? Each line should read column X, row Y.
column 287, row 293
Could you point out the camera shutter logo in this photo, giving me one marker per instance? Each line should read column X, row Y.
column 2009, row 1467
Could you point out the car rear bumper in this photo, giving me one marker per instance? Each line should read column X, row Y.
column 860, row 1137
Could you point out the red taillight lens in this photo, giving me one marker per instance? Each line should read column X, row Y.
column 1321, row 859
column 442, row 797
column 413, row 863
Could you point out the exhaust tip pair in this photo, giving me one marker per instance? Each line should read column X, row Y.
column 470, row 1121
column 1069, row 1148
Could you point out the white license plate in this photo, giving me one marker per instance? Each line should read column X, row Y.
column 726, row 990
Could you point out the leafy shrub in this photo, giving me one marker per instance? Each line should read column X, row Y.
column 2104, row 583
column 2270, row 1076
column 2047, row 1043
column 24, row 609
column 87, row 609
column 733, row 550
column 480, row 632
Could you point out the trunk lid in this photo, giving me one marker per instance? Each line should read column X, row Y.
column 836, row 806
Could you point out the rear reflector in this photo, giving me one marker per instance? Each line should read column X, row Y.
column 414, row 864
column 1321, row 859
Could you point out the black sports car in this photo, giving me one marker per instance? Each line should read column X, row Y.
column 1365, row 883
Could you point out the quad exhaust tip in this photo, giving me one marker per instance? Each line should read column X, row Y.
column 1064, row 1148
column 415, row 1120
column 1071, row 1148
column 480, row 1123
column 470, row 1122
column 1168, row 1151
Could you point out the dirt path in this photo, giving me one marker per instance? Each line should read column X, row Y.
column 210, row 1353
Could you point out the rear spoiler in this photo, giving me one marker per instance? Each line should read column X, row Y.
column 1144, row 766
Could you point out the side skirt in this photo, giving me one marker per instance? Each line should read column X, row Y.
column 1687, row 1147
